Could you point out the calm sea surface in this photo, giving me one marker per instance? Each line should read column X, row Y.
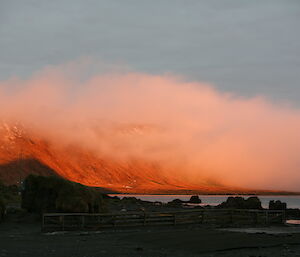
column 292, row 201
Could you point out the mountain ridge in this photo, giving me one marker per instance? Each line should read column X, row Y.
column 22, row 153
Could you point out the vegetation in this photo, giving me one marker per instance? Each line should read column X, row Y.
column 2, row 208
column 54, row 194
column 8, row 194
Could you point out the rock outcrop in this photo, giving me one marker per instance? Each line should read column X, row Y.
column 277, row 205
column 241, row 203
column 195, row 199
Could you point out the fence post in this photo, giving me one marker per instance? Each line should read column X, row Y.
column 231, row 216
column 255, row 218
column 267, row 217
column 114, row 221
column 82, row 222
column 144, row 223
column 62, row 217
column 283, row 216
column 43, row 221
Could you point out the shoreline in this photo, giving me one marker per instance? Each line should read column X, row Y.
column 229, row 194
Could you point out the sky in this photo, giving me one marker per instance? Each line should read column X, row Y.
column 217, row 81
column 246, row 47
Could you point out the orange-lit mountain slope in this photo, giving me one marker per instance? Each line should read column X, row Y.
column 22, row 154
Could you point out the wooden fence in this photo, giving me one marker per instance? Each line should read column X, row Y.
column 99, row 221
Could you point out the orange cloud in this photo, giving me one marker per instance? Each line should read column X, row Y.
column 195, row 131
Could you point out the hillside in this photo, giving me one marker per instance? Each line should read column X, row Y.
column 22, row 153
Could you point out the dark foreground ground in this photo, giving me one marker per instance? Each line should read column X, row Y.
column 23, row 238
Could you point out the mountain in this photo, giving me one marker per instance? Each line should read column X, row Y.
column 23, row 153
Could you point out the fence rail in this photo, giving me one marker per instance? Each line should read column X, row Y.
column 98, row 221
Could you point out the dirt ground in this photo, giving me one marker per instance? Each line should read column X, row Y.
column 23, row 238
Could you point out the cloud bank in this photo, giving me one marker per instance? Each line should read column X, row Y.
column 196, row 132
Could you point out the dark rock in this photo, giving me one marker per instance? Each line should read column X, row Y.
column 131, row 199
column 233, row 203
column 198, row 207
column 195, row 199
column 277, row 205
column 253, row 202
column 240, row 203
column 176, row 202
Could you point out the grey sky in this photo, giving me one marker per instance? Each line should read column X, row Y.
column 246, row 46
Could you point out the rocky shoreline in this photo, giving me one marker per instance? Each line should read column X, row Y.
column 20, row 232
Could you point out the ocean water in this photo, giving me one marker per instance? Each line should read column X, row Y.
column 292, row 201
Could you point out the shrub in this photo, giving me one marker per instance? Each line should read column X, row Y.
column 9, row 193
column 2, row 209
column 54, row 194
